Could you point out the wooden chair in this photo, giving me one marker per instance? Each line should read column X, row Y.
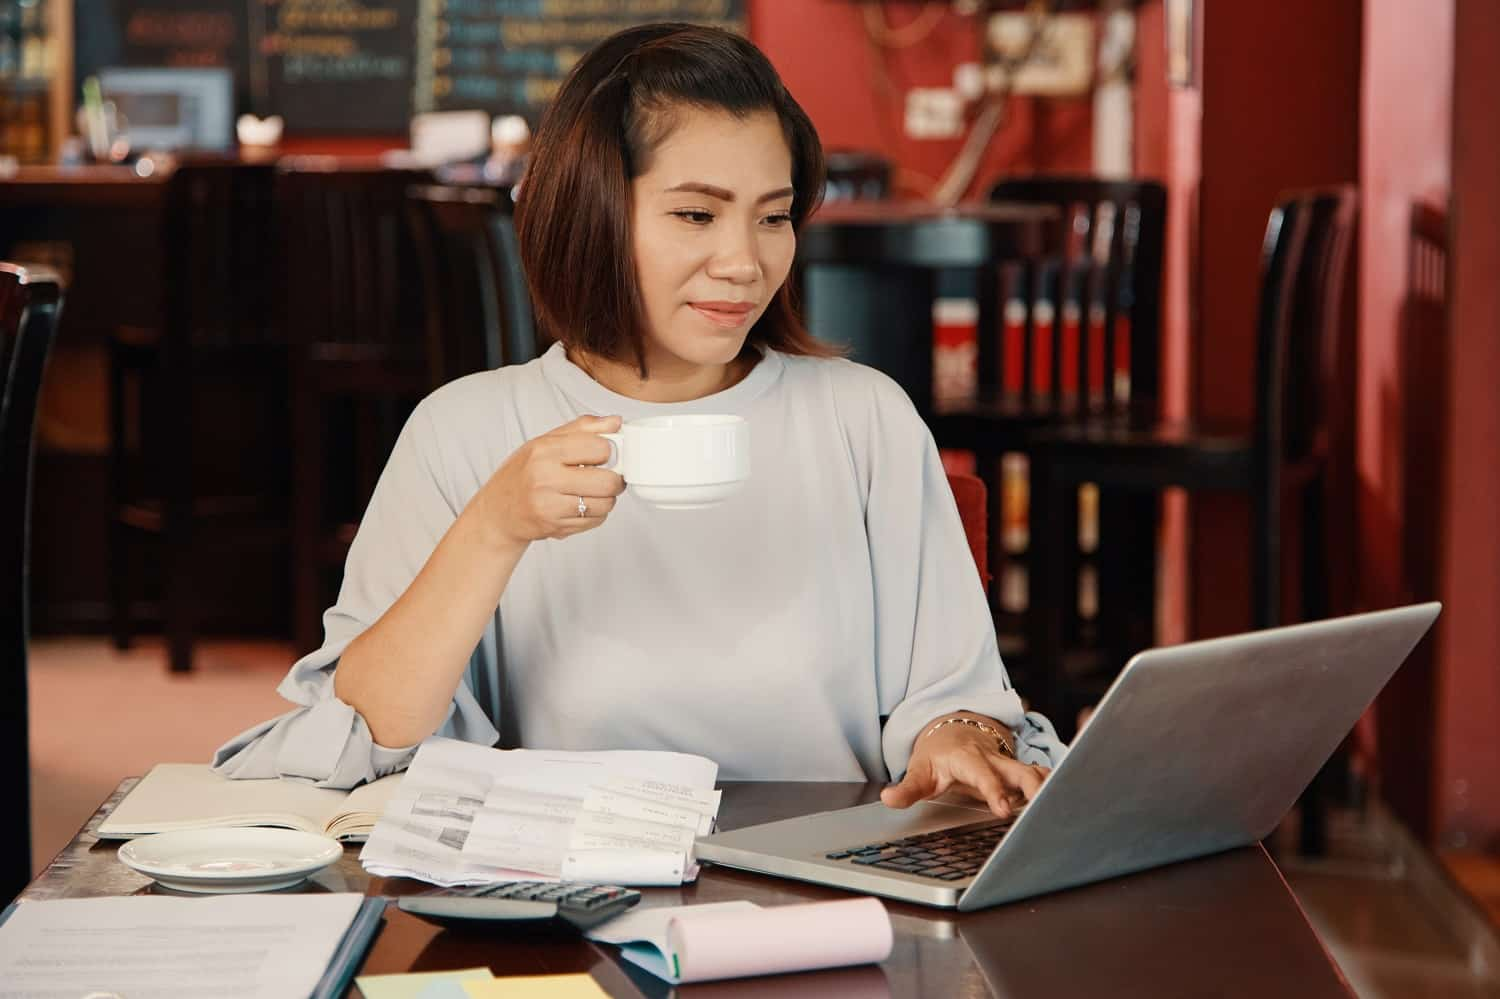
column 479, row 311
column 1067, row 322
column 353, row 314
column 174, row 480
column 1077, row 335
column 1303, row 262
column 968, row 493
column 1104, row 267
column 30, row 300
column 869, row 273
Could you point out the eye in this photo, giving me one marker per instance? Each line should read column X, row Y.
column 778, row 219
column 695, row 216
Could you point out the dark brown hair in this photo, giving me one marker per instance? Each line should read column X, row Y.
column 573, row 212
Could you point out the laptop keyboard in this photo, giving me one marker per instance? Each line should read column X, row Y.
column 945, row 855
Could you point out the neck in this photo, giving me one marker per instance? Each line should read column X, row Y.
column 668, row 381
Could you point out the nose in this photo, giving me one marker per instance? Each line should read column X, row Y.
column 736, row 257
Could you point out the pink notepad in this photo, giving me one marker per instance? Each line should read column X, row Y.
column 699, row 943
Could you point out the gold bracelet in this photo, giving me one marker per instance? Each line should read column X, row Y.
column 1005, row 745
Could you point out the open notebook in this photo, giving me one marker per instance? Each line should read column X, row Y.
column 191, row 796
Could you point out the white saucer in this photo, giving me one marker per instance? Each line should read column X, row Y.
column 218, row 861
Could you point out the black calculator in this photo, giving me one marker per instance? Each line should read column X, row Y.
column 522, row 904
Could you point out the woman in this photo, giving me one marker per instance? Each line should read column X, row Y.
column 505, row 586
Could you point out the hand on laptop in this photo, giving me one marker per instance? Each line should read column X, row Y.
column 961, row 758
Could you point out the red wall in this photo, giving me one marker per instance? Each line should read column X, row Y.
column 1469, row 657
column 1280, row 110
column 824, row 54
column 1404, row 160
column 822, row 51
column 1168, row 124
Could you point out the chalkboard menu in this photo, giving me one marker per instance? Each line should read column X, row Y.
column 161, row 33
column 510, row 56
column 329, row 66
column 337, row 65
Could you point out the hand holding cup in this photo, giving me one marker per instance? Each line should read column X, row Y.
column 552, row 486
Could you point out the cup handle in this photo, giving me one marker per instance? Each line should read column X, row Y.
column 616, row 451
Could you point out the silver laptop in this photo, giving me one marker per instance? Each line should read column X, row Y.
column 1195, row 749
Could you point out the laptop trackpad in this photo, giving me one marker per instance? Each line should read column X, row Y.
column 960, row 799
column 849, row 827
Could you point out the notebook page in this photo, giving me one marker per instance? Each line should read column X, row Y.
column 359, row 811
column 190, row 795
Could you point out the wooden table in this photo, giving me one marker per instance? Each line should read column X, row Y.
column 101, row 227
column 1222, row 926
column 86, row 184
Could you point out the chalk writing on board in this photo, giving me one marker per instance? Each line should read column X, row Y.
column 366, row 65
column 340, row 65
column 510, row 56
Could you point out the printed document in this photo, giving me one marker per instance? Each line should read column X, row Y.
column 466, row 814
column 226, row 946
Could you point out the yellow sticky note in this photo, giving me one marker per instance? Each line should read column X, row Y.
column 537, row 987
column 412, row 985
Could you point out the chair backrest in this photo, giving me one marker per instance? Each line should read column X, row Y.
column 870, row 277
column 1427, row 267
column 1303, row 262
column 1082, row 323
column 970, row 495
column 30, row 301
column 1426, row 365
column 479, row 312
column 218, row 273
column 350, row 269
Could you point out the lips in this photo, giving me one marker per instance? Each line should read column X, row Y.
column 725, row 314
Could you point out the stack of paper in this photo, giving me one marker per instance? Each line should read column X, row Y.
column 466, row 814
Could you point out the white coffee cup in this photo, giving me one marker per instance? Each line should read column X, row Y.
column 683, row 462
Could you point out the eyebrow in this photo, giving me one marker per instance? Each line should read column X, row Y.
column 723, row 194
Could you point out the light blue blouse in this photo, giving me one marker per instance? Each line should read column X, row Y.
column 770, row 633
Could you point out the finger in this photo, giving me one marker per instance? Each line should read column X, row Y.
column 586, row 481
column 593, row 508
column 1022, row 780
column 916, row 785
column 579, row 449
column 590, row 424
column 995, row 792
column 577, row 525
column 573, row 524
column 1022, row 776
column 902, row 795
column 980, row 774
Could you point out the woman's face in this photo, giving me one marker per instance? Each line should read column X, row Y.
column 712, row 235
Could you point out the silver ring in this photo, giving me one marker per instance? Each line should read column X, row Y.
column 583, row 508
